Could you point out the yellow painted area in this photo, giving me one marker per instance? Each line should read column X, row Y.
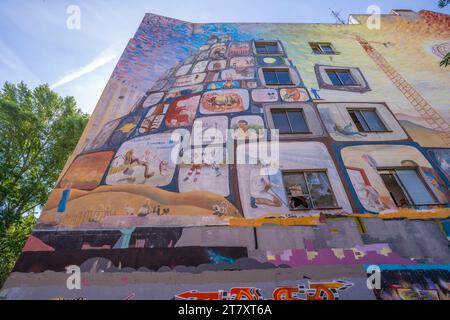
column 300, row 221
column 411, row 214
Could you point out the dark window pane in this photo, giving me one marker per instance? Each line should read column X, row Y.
column 360, row 121
column 270, row 77
column 327, row 49
column 316, row 49
column 321, row 193
column 346, row 78
column 267, row 47
column 260, row 49
column 416, row 188
column 395, row 190
column 356, row 121
column 284, row 77
column 297, row 121
column 272, row 48
column 281, row 122
column 334, row 78
column 297, row 191
column 373, row 121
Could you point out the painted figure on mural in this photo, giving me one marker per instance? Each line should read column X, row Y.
column 64, row 198
column 347, row 130
column 243, row 131
column 129, row 159
column 262, row 189
column 315, row 92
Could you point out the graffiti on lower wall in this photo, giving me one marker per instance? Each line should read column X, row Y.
column 310, row 291
column 414, row 283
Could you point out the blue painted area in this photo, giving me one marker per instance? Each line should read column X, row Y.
column 411, row 267
column 218, row 258
column 63, row 202
column 446, row 227
column 315, row 92
column 124, row 240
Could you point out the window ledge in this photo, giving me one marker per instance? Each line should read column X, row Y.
column 326, row 54
column 315, row 209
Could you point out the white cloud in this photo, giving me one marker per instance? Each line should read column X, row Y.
column 104, row 58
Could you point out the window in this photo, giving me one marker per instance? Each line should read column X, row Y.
column 322, row 48
column 277, row 77
column 407, row 187
column 341, row 77
column 267, row 47
column 289, row 121
column 367, row 120
column 308, row 190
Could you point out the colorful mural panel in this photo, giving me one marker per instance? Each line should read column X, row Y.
column 388, row 177
column 86, row 171
column 224, row 101
column 145, row 160
column 182, row 112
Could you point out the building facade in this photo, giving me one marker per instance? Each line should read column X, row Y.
column 153, row 203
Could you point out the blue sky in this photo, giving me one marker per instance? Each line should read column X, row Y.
column 37, row 47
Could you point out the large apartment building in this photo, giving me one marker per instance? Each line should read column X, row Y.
column 155, row 204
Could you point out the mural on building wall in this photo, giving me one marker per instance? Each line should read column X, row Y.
column 414, row 283
column 381, row 184
column 148, row 187
column 264, row 193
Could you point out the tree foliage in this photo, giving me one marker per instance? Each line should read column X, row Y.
column 38, row 131
column 443, row 3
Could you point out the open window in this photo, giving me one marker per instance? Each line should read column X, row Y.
column 407, row 187
column 268, row 47
column 308, row 190
column 367, row 120
column 341, row 78
column 322, row 48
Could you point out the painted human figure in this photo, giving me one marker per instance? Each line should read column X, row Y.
column 129, row 159
column 64, row 198
column 195, row 167
column 315, row 92
column 347, row 130
column 145, row 210
column 261, row 189
column 243, row 131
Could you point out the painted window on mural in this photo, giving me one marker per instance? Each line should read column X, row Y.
column 267, row 47
column 289, row 121
column 322, row 48
column 367, row 120
column 277, row 77
column 308, row 190
column 341, row 77
column 406, row 187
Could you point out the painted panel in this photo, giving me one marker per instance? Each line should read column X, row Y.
column 182, row 112
column 265, row 95
column 363, row 163
column 263, row 194
column 224, row 101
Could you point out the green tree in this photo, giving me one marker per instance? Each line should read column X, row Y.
column 38, row 131
column 446, row 61
column 443, row 3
